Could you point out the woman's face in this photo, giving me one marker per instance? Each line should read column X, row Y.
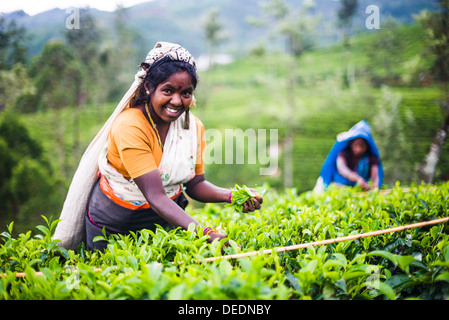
column 359, row 147
column 172, row 97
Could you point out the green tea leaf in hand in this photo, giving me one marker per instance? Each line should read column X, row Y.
column 242, row 194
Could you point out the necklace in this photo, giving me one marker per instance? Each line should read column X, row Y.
column 154, row 127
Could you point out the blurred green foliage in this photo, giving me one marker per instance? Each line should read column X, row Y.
column 62, row 98
column 28, row 185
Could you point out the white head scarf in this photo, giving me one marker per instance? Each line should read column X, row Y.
column 71, row 229
column 173, row 51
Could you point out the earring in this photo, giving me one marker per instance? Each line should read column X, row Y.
column 147, row 92
column 187, row 119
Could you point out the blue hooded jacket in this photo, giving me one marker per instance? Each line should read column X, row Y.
column 360, row 130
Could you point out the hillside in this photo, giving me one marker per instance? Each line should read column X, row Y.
column 181, row 21
column 254, row 88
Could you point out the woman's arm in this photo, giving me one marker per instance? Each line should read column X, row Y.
column 202, row 190
column 150, row 185
column 346, row 172
column 375, row 176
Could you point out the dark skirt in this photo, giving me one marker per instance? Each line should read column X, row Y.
column 105, row 213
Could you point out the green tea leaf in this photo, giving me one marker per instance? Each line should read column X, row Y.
column 434, row 232
column 10, row 227
column 241, row 194
column 446, row 252
column 384, row 254
column 404, row 262
column 443, row 277
column 354, row 274
column 341, row 284
column 387, row 290
column 44, row 230
column 294, row 282
column 400, row 281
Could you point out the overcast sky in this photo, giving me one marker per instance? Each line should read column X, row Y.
column 33, row 7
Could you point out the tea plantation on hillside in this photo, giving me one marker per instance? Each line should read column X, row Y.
column 169, row 265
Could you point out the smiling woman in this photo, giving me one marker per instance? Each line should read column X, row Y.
column 153, row 151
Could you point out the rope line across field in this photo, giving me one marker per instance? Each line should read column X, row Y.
column 330, row 241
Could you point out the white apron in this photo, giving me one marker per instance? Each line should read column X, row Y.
column 176, row 168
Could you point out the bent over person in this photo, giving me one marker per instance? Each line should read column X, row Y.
column 353, row 160
column 153, row 151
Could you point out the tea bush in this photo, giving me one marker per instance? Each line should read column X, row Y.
column 408, row 264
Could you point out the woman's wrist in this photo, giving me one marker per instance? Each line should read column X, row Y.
column 207, row 230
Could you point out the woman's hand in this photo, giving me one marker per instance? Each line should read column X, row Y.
column 253, row 203
column 362, row 183
column 216, row 235
column 213, row 235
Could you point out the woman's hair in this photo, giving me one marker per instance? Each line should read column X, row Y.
column 159, row 73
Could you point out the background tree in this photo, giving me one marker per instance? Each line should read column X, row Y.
column 386, row 64
column 13, row 52
column 57, row 77
column 58, row 82
column 28, row 187
column 84, row 43
column 12, row 44
column 213, row 33
column 296, row 27
column 394, row 146
column 15, row 84
column 436, row 25
column 345, row 14
column 214, row 37
column 119, row 56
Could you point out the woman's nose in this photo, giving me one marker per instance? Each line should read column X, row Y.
column 176, row 100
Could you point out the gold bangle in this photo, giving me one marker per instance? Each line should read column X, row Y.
column 213, row 230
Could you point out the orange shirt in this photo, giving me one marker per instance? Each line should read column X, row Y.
column 133, row 149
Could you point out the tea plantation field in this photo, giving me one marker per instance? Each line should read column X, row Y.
column 172, row 265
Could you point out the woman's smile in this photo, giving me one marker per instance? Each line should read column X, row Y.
column 173, row 112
